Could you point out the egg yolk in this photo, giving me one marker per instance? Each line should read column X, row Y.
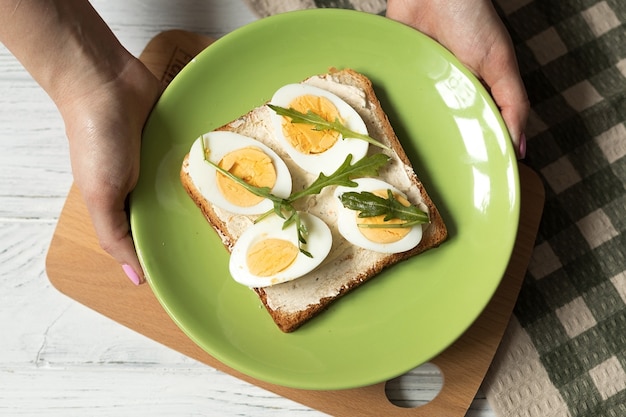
column 251, row 165
column 384, row 235
column 270, row 256
column 304, row 137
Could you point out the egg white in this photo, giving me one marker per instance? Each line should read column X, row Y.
column 348, row 228
column 319, row 242
column 331, row 159
column 220, row 143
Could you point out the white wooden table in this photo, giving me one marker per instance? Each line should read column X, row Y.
column 58, row 358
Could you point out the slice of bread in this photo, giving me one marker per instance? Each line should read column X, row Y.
column 293, row 303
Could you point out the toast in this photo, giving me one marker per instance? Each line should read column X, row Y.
column 293, row 303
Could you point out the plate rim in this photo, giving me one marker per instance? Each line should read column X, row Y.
column 252, row 27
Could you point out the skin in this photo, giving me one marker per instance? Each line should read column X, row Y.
column 105, row 95
column 474, row 33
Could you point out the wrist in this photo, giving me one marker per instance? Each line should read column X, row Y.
column 64, row 44
column 90, row 56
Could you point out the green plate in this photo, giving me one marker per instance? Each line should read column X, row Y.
column 456, row 140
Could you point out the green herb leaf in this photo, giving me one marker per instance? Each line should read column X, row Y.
column 365, row 167
column 284, row 208
column 369, row 205
column 319, row 123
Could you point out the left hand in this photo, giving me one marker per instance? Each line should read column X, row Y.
column 474, row 33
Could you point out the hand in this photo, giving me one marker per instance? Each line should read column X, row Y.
column 473, row 32
column 104, row 95
column 104, row 128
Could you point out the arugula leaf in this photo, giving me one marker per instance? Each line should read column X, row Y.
column 284, row 208
column 369, row 204
column 319, row 123
column 365, row 167
column 301, row 231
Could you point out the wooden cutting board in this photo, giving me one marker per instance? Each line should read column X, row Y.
column 79, row 268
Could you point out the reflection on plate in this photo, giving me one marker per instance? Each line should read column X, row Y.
column 458, row 145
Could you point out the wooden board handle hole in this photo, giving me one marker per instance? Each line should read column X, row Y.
column 415, row 388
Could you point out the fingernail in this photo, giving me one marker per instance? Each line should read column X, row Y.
column 131, row 274
column 522, row 146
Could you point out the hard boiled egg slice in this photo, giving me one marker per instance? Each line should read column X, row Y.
column 266, row 254
column 385, row 240
column 246, row 158
column 313, row 150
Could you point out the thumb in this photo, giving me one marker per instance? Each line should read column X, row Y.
column 110, row 221
column 507, row 89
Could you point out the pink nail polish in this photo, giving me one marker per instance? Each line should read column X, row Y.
column 131, row 274
column 522, row 146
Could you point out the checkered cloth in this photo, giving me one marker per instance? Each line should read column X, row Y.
column 564, row 353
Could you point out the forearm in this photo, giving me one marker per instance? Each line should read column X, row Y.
column 64, row 44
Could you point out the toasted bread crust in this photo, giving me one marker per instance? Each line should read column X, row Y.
column 434, row 234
